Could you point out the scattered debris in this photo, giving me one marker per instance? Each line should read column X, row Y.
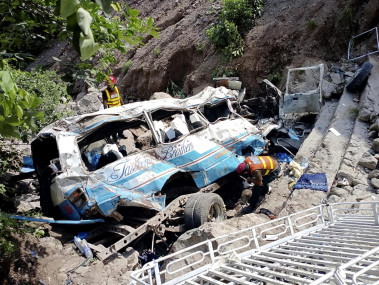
column 228, row 82
column 267, row 212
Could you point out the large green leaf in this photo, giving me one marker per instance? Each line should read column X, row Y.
column 133, row 12
column 84, row 21
column 72, row 23
column 7, row 83
column 19, row 111
column 87, row 46
column 69, row 7
column 6, row 108
column 105, row 5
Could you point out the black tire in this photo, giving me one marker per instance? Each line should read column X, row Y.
column 359, row 79
column 202, row 208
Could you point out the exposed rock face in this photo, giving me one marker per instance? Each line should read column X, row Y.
column 182, row 54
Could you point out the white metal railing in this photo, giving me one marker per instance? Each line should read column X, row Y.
column 314, row 235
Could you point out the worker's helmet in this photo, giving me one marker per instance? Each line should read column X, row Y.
column 241, row 168
column 112, row 79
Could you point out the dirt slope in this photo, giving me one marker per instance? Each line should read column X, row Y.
column 290, row 32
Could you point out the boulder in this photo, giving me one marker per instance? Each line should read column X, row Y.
column 89, row 103
column 368, row 161
column 373, row 174
column 328, row 88
column 340, row 192
column 375, row 183
column 373, row 134
column 336, row 78
column 160, row 95
column 375, row 126
column 375, row 145
column 364, row 115
column 335, row 199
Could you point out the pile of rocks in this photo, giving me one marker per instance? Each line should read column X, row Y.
column 358, row 177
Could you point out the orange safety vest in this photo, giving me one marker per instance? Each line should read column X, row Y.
column 261, row 163
column 113, row 99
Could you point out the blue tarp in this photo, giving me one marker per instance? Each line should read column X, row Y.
column 312, row 181
column 27, row 164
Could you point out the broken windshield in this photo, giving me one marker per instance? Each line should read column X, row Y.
column 172, row 125
column 113, row 141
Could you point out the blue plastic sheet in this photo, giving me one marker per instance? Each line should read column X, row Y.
column 283, row 157
column 312, row 181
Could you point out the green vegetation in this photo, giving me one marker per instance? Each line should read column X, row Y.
column 353, row 111
column 242, row 13
column 50, row 89
column 200, row 46
column 7, row 227
column 312, row 24
column 175, row 90
column 236, row 19
column 28, row 26
column 17, row 106
column 156, row 52
column 223, row 71
column 275, row 77
column 125, row 67
column 225, row 37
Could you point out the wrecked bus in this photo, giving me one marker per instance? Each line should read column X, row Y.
column 152, row 156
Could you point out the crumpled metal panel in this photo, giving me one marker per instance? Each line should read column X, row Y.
column 86, row 122
column 136, row 179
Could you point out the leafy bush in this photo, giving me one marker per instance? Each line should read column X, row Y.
column 238, row 12
column 236, row 19
column 225, row 37
column 17, row 107
column 49, row 88
column 28, row 25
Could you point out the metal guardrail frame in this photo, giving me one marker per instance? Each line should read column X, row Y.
column 350, row 41
column 216, row 252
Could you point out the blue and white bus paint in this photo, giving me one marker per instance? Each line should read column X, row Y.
column 136, row 180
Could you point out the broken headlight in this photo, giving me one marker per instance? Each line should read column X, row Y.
column 78, row 198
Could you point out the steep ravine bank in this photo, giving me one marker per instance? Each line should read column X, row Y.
column 289, row 33
column 282, row 36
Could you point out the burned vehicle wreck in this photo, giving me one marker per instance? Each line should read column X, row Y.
column 151, row 164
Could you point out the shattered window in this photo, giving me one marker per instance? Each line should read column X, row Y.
column 171, row 125
column 113, row 141
column 215, row 112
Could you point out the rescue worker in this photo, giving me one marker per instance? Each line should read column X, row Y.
column 261, row 170
column 111, row 95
